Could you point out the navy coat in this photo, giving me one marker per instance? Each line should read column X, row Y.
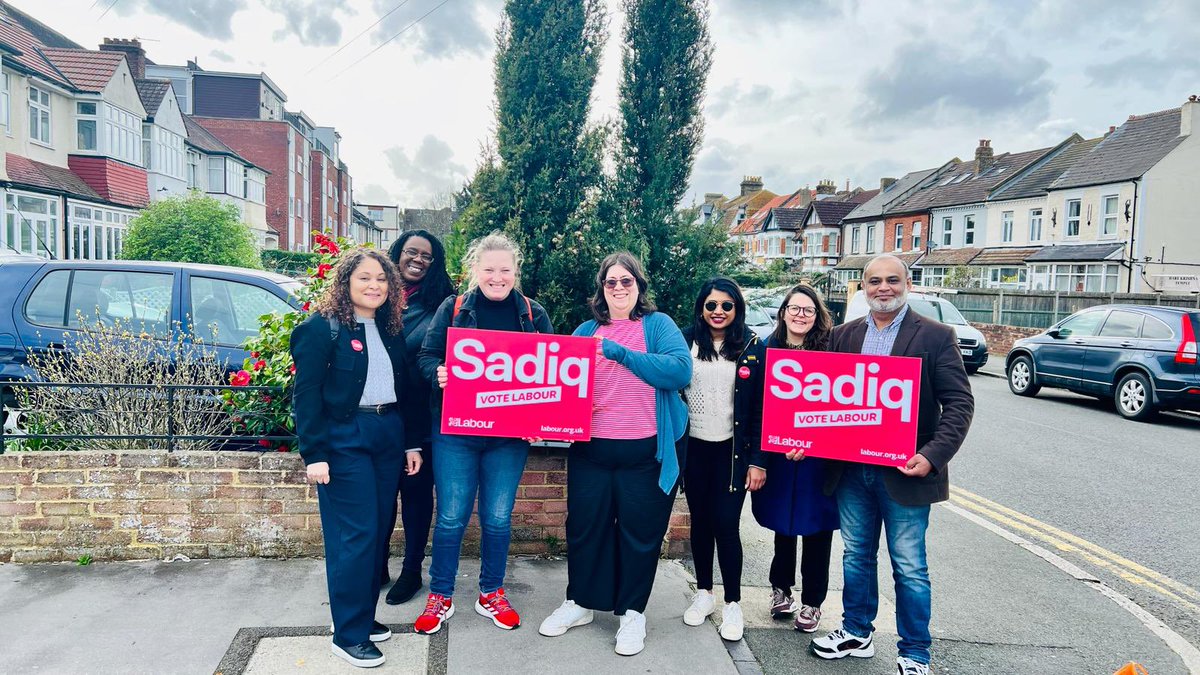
column 793, row 502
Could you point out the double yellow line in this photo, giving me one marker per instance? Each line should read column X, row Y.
column 1035, row 529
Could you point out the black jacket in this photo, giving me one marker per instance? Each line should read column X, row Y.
column 417, row 320
column 747, row 408
column 944, row 411
column 330, row 377
column 532, row 318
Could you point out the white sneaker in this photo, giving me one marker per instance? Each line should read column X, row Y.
column 732, row 624
column 702, row 607
column 906, row 666
column 631, row 638
column 567, row 616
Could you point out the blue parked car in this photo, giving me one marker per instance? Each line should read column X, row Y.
column 41, row 299
column 1144, row 358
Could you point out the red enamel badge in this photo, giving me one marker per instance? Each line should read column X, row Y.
column 358, row 347
column 744, row 373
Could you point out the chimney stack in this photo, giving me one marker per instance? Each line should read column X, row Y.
column 885, row 183
column 134, row 54
column 1189, row 116
column 751, row 184
column 983, row 156
column 826, row 187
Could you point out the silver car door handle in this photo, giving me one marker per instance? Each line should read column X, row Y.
column 1127, row 343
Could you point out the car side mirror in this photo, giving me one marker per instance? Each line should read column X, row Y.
column 1055, row 333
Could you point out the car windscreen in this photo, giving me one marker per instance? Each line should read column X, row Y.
column 757, row 316
column 924, row 308
column 950, row 314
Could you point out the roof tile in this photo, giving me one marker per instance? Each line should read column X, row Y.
column 25, row 171
column 90, row 70
column 1126, row 153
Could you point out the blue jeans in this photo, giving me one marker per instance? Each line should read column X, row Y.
column 467, row 465
column 864, row 505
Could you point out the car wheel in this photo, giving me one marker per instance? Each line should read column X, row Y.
column 1020, row 377
column 1135, row 397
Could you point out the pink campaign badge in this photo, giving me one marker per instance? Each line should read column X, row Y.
column 744, row 372
column 356, row 345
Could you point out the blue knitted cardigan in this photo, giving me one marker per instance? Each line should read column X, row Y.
column 666, row 365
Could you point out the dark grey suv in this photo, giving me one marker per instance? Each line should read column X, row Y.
column 1143, row 358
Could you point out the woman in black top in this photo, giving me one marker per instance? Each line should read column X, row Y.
column 421, row 261
column 351, row 372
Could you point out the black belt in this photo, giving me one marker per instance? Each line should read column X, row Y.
column 380, row 409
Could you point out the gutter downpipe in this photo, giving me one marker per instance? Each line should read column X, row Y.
column 1132, row 236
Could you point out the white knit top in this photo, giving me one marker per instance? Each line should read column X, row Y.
column 710, row 396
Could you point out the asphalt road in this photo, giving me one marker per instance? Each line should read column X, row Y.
column 1073, row 464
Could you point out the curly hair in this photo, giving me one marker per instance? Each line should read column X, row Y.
column 335, row 301
column 437, row 284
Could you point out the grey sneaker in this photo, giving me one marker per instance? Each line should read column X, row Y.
column 807, row 619
column 782, row 604
column 906, row 666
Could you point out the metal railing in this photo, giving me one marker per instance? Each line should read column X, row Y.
column 161, row 400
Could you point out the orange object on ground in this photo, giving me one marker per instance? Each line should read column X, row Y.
column 1132, row 668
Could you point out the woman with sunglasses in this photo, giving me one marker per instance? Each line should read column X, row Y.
column 421, row 260
column 621, row 484
column 793, row 503
column 725, row 457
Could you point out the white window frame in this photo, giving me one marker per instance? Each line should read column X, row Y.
column 1109, row 217
column 5, row 110
column 1019, row 276
column 235, row 178
column 916, row 235
column 947, row 230
column 41, row 119
column 1035, row 225
column 100, row 235
column 969, row 230
column 256, row 186
column 42, row 228
column 215, row 166
column 1092, row 277
column 870, row 243
column 1006, row 226
column 193, row 170
column 1072, row 219
column 854, row 239
column 97, row 128
column 899, row 236
column 123, row 135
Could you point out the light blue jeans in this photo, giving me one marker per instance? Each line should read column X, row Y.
column 466, row 466
column 865, row 506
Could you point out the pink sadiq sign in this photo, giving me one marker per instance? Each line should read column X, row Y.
column 852, row 407
column 518, row 385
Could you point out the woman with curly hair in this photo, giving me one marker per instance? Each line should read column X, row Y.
column 351, row 373
column 793, row 503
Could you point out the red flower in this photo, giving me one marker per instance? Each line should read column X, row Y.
column 323, row 269
column 305, row 306
column 266, row 398
column 284, row 448
column 240, row 379
column 293, row 369
column 265, row 443
column 260, row 364
column 254, row 355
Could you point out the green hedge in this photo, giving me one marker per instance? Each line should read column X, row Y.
column 291, row 263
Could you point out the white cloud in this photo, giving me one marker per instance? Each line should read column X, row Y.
column 428, row 171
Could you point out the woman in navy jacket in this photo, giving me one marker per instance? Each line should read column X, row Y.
column 793, row 503
column 351, row 375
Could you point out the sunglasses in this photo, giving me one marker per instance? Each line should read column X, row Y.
column 797, row 310
column 419, row 255
column 726, row 306
column 626, row 282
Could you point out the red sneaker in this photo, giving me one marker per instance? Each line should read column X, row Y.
column 438, row 608
column 495, row 607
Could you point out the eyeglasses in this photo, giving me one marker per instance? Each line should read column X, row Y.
column 626, row 282
column 797, row 310
column 419, row 255
column 726, row 306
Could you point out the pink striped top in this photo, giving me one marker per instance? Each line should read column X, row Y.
column 624, row 403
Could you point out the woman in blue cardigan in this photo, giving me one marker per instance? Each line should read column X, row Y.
column 621, row 484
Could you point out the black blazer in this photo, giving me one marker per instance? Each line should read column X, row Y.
column 330, row 377
column 747, row 409
column 532, row 319
column 417, row 319
column 944, row 411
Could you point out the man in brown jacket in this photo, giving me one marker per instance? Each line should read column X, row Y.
column 897, row 499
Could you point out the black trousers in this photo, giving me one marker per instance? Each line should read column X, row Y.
column 716, row 513
column 814, row 566
column 416, row 514
column 616, row 520
column 365, row 463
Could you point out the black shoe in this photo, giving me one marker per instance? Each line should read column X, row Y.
column 379, row 632
column 404, row 589
column 366, row 655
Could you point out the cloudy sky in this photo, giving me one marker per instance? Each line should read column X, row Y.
column 800, row 90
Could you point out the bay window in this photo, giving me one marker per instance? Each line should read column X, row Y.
column 256, row 186
column 235, row 178
column 86, row 125
column 97, row 233
column 123, row 131
column 216, row 174
column 31, row 225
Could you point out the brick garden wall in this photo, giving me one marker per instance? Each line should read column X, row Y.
column 1000, row 338
column 139, row 505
